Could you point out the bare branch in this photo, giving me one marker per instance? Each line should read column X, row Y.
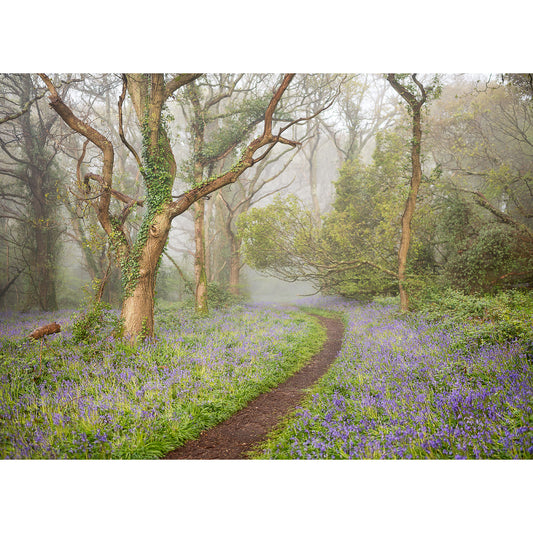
column 80, row 162
column 23, row 109
column 482, row 201
column 96, row 138
column 120, row 128
column 116, row 194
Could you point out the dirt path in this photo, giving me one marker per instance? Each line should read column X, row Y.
column 233, row 438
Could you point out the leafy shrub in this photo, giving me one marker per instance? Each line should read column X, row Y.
column 98, row 322
column 489, row 319
column 218, row 297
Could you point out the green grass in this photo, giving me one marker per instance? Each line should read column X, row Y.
column 110, row 400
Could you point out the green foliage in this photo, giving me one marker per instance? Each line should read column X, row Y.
column 279, row 237
column 236, row 126
column 233, row 127
column 480, row 253
column 218, row 295
column 98, row 322
column 480, row 266
column 488, row 319
column 365, row 223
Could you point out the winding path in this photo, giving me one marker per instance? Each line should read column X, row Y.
column 239, row 434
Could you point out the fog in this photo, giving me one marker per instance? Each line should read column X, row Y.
column 342, row 152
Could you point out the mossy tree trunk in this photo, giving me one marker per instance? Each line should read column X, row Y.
column 138, row 304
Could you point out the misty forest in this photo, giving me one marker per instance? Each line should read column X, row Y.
column 174, row 247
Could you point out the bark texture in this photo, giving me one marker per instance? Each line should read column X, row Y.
column 138, row 305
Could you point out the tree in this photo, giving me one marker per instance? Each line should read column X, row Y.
column 139, row 259
column 354, row 252
column 416, row 96
column 523, row 81
column 238, row 201
column 216, row 130
column 361, row 111
column 483, row 144
column 29, row 196
column 316, row 90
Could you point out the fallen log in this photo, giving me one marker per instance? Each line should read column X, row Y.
column 49, row 329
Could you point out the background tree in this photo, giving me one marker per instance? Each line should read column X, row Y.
column 216, row 129
column 238, row 200
column 482, row 142
column 363, row 108
column 30, row 184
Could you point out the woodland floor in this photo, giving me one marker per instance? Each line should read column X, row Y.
column 240, row 434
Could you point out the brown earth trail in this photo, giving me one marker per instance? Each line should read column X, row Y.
column 239, row 434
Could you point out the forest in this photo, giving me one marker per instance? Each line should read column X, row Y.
column 173, row 246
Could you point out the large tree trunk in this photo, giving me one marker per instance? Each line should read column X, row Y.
column 40, row 182
column 138, row 308
column 407, row 217
column 200, row 275
column 138, row 304
column 42, row 260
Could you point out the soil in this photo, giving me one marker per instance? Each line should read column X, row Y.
column 245, row 430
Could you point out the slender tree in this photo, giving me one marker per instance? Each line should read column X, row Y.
column 416, row 96
column 239, row 201
column 215, row 132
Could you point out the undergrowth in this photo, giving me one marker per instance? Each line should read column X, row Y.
column 107, row 399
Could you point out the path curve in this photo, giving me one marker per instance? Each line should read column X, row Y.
column 236, row 436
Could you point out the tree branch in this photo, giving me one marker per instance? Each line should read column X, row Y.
column 246, row 161
column 179, row 81
column 482, row 201
column 96, row 138
column 120, row 128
